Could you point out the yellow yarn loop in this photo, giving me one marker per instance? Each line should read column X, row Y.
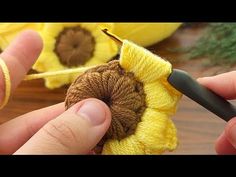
column 56, row 73
column 6, row 76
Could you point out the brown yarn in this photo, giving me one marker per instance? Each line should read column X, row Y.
column 118, row 89
column 74, row 46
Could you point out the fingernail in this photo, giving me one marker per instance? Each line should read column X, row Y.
column 201, row 79
column 93, row 111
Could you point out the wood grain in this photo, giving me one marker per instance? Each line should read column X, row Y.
column 197, row 128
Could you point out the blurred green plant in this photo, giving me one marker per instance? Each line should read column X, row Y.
column 218, row 43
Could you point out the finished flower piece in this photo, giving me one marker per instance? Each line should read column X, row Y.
column 72, row 45
column 140, row 99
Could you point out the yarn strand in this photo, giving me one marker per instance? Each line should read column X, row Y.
column 56, row 73
column 6, row 76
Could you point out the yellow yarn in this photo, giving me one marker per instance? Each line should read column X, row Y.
column 56, row 73
column 156, row 132
column 7, row 80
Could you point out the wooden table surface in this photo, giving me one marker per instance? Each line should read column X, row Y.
column 197, row 128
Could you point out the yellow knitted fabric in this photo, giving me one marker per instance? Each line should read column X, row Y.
column 156, row 132
column 144, row 34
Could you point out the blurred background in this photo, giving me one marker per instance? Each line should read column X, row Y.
column 202, row 49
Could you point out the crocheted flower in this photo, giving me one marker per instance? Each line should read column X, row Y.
column 140, row 99
column 8, row 31
column 144, row 34
column 71, row 45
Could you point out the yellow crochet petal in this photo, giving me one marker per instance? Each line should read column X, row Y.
column 146, row 66
column 160, row 98
column 105, row 51
column 11, row 27
column 127, row 146
column 49, row 43
column 52, row 29
column 71, row 24
column 8, row 31
column 56, row 82
column 144, row 34
column 156, row 132
column 48, row 62
column 8, row 28
column 105, row 47
column 93, row 27
column 3, row 43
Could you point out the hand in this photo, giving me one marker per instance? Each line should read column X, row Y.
column 50, row 130
column 224, row 85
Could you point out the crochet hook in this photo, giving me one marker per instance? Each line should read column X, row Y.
column 184, row 83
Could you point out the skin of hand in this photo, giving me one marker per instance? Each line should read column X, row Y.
column 50, row 130
column 224, row 85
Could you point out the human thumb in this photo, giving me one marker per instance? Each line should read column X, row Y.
column 76, row 131
column 230, row 132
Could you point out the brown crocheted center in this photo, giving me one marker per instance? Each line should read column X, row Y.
column 74, row 46
column 118, row 89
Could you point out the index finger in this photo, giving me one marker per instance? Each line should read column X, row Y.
column 222, row 84
column 19, row 56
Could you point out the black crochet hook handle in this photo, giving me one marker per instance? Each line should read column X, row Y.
column 184, row 83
